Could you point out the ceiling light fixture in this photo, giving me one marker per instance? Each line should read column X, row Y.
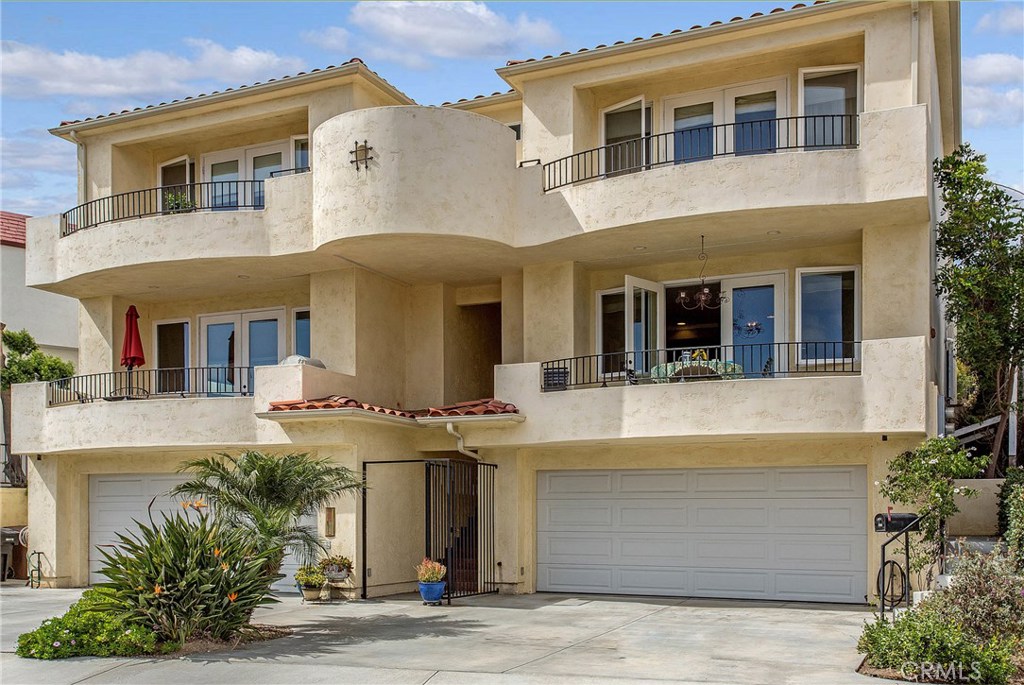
column 703, row 298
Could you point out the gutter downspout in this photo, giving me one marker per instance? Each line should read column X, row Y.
column 915, row 49
column 82, row 168
column 460, row 442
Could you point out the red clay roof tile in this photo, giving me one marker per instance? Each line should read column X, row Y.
column 12, row 229
column 482, row 407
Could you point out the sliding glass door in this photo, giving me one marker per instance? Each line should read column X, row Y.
column 232, row 343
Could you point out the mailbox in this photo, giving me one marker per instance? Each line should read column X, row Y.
column 894, row 523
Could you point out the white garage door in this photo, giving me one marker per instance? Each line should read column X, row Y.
column 767, row 533
column 116, row 500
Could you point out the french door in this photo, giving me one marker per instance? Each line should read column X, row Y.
column 231, row 344
column 754, row 322
column 625, row 128
column 645, row 323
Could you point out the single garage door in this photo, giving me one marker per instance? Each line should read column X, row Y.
column 767, row 533
column 116, row 500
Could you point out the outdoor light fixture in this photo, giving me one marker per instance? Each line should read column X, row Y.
column 703, row 298
column 361, row 155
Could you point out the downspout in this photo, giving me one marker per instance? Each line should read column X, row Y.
column 915, row 49
column 82, row 168
column 460, row 442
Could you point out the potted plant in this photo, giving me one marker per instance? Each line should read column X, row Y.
column 431, row 576
column 311, row 580
column 336, row 568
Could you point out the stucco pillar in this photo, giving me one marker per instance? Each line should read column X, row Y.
column 509, row 511
column 554, row 313
column 58, row 521
column 332, row 299
column 887, row 60
column 512, row 319
column 895, row 282
column 424, row 345
column 96, row 336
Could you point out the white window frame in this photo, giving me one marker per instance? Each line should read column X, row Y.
column 821, row 71
column 295, row 139
column 294, row 320
column 798, row 329
column 781, row 88
column 644, row 104
column 244, row 156
column 240, row 319
column 715, row 96
column 171, row 162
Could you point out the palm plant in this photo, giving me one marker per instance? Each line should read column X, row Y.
column 268, row 494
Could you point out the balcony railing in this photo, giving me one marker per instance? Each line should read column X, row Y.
column 289, row 172
column 213, row 196
column 12, row 468
column 691, row 364
column 765, row 136
column 140, row 384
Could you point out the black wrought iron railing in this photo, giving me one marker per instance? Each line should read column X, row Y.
column 139, row 384
column 212, row 196
column 818, row 132
column 289, row 172
column 717, row 362
column 12, row 468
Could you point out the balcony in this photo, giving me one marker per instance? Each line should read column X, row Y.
column 693, row 364
column 141, row 384
column 807, row 133
column 883, row 390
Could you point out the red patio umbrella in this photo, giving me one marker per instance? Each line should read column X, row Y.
column 131, row 350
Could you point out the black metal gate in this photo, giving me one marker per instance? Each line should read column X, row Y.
column 459, row 523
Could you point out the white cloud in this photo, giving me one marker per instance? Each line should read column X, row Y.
column 994, row 69
column 331, row 39
column 1008, row 19
column 991, row 107
column 37, row 150
column 409, row 32
column 30, row 71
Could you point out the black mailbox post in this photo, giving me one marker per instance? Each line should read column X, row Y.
column 896, row 523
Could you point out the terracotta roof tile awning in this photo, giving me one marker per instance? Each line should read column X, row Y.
column 482, row 407
column 12, row 229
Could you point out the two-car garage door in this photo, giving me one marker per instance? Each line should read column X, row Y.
column 116, row 500
column 795, row 533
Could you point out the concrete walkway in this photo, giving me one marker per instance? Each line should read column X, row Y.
column 522, row 640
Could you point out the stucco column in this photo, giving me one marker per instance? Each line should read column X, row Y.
column 895, row 287
column 332, row 299
column 96, row 336
column 424, row 345
column 554, row 311
column 512, row 319
column 509, row 511
column 58, row 521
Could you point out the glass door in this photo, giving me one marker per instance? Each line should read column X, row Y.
column 692, row 119
column 176, row 191
column 221, row 350
column 172, row 357
column 753, row 323
column 645, row 324
column 263, row 341
column 625, row 127
column 756, row 112
column 829, row 100
column 262, row 163
column 223, row 171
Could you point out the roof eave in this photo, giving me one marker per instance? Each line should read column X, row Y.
column 351, row 69
column 485, row 101
column 437, row 421
column 339, row 413
column 512, row 72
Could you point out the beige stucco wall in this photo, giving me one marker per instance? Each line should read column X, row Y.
column 13, row 506
column 978, row 515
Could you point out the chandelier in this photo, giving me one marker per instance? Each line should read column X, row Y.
column 702, row 298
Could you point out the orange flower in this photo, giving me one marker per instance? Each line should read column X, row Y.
column 186, row 505
column 224, row 566
column 216, row 551
column 232, row 596
column 157, row 589
column 199, row 504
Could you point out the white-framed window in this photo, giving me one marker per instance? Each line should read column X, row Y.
column 176, row 180
column 300, row 152
column 301, row 331
column 624, row 127
column 830, row 98
column 228, row 173
column 230, row 341
column 828, row 313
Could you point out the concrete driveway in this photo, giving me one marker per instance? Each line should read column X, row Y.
column 530, row 639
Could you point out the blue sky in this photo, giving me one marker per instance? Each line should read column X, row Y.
column 73, row 60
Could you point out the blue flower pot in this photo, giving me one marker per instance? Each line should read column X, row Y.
column 432, row 592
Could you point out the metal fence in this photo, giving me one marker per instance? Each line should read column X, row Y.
column 12, row 468
column 202, row 381
column 717, row 362
column 818, row 132
column 210, row 196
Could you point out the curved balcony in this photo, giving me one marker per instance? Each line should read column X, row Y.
column 165, row 200
column 766, row 136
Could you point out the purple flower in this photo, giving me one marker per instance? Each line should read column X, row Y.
column 56, row 644
column 73, row 642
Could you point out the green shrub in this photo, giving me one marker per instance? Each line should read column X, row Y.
column 86, row 630
column 1014, row 477
column 311, row 577
column 1015, row 529
column 985, row 599
column 921, row 637
column 187, row 578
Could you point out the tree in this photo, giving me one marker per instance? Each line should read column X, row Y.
column 980, row 273
column 267, row 494
column 26, row 363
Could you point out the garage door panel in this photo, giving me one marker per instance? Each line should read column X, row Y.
column 576, row 483
column 750, row 533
